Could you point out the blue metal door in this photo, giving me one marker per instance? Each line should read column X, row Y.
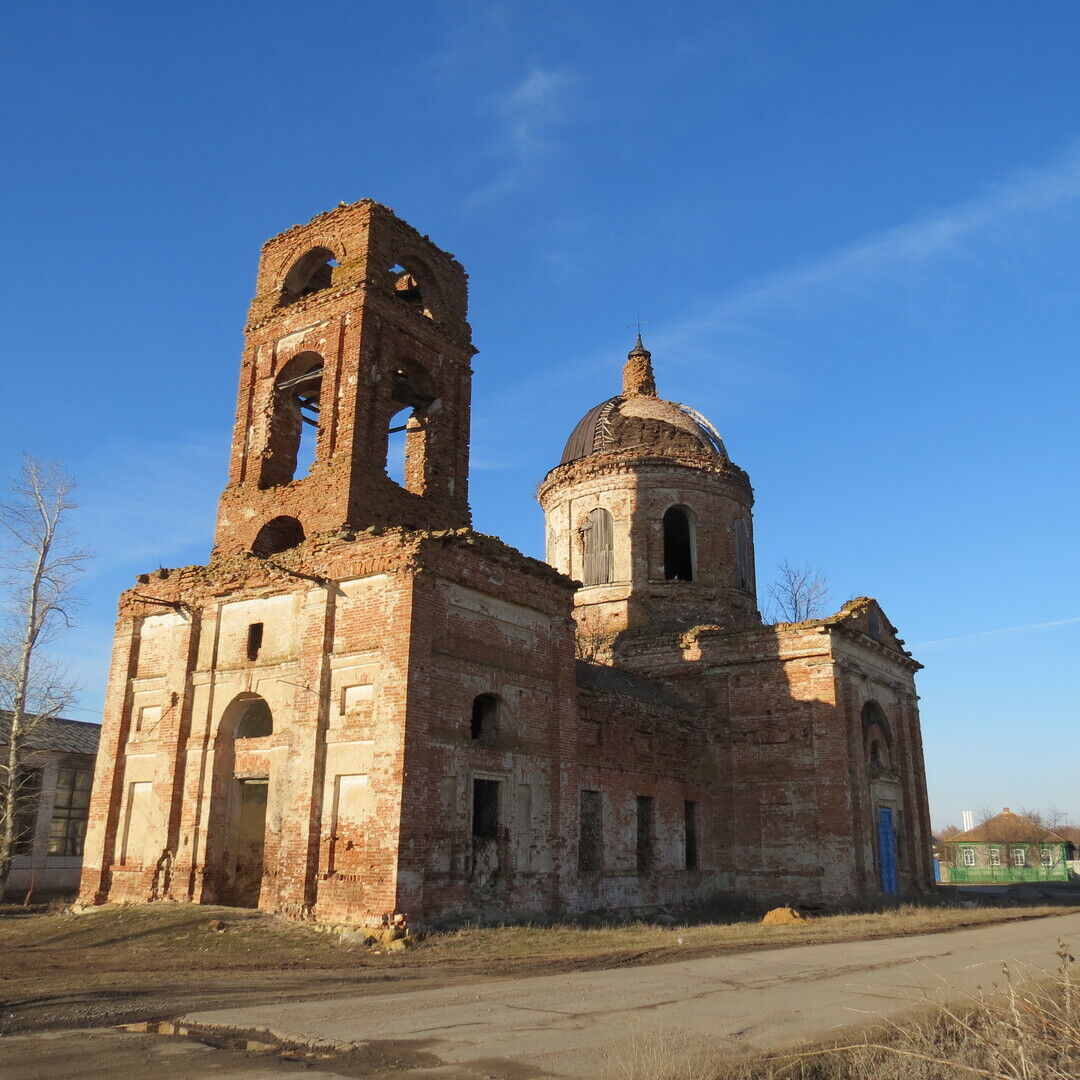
column 887, row 851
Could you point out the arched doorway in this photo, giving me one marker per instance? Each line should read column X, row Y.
column 246, row 727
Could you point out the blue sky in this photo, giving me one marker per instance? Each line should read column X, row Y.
column 853, row 228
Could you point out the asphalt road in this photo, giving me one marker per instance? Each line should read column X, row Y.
column 572, row 1026
column 581, row 1025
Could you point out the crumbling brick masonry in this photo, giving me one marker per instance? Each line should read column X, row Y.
column 360, row 706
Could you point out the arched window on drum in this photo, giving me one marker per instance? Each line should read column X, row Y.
column 599, row 549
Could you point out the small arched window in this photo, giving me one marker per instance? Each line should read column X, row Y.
column 486, row 716
column 277, row 535
column 256, row 721
column 679, row 554
column 598, row 545
column 311, row 273
column 744, row 560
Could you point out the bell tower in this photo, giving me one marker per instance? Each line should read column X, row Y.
column 353, row 406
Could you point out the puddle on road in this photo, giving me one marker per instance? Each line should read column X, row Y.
column 373, row 1058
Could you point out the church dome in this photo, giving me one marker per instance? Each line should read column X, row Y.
column 639, row 421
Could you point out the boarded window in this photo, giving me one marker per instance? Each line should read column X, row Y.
column 678, row 545
column 71, row 807
column 485, row 820
column 136, row 823
column 690, row 837
column 591, row 833
column 596, row 535
column 645, row 838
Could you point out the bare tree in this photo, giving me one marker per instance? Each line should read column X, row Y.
column 41, row 567
column 797, row 594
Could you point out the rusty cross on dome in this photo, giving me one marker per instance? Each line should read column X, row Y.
column 638, row 380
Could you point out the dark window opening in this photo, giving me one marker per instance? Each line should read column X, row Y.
column 598, row 545
column 484, row 724
column 27, row 799
column 591, row 833
column 280, row 534
column 254, row 640
column 485, row 816
column 645, row 845
column 311, row 273
column 690, row 848
column 256, row 721
column 71, row 808
column 678, row 545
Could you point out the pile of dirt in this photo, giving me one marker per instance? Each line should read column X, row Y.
column 783, row 916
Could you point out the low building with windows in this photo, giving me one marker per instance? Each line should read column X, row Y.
column 53, row 799
column 361, row 706
column 1006, row 848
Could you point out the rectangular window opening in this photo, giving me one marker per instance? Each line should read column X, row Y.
column 67, row 830
column 1046, row 856
column 27, row 798
column 995, row 856
column 969, row 856
column 590, row 833
column 485, row 819
column 645, row 846
column 1019, row 856
column 690, row 838
column 254, row 640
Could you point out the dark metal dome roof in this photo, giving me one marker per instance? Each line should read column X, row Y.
column 649, row 424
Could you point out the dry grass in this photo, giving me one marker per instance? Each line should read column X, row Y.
column 641, row 942
column 1027, row 1029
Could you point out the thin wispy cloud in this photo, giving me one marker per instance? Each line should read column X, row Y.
column 525, row 117
column 894, row 250
column 996, row 633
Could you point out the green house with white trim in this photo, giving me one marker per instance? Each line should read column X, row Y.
column 1005, row 849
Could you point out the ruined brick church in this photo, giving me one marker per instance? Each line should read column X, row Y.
column 360, row 706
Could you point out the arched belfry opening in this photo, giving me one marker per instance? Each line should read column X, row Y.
column 292, row 438
column 410, row 288
column 311, row 273
column 415, row 399
column 279, row 534
column 680, row 558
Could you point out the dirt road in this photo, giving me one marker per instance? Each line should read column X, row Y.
column 572, row 1025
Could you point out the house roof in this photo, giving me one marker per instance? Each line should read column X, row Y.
column 1007, row 827
column 57, row 733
